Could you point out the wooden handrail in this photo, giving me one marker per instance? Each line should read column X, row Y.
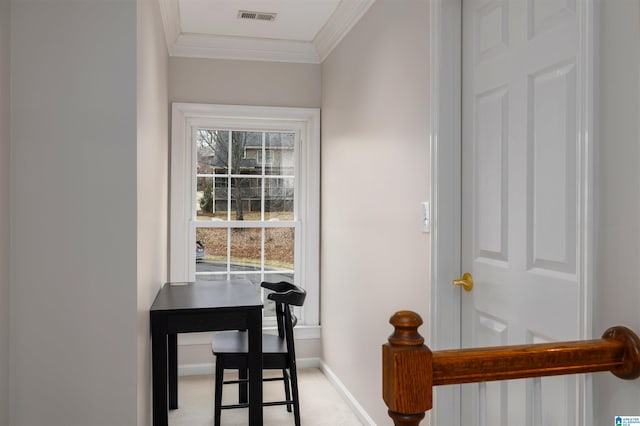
column 410, row 369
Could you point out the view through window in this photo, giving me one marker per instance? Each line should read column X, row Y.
column 245, row 217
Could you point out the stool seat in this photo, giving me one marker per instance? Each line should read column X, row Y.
column 231, row 350
column 229, row 343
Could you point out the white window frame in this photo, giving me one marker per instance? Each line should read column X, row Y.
column 305, row 121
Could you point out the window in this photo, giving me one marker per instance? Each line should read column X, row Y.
column 235, row 215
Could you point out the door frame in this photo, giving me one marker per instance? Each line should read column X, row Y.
column 443, row 325
column 445, row 93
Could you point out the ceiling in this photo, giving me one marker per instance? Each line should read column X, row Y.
column 301, row 30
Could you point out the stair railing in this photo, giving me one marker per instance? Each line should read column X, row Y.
column 410, row 369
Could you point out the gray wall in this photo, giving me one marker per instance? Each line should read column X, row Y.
column 73, row 342
column 4, row 212
column 153, row 183
column 218, row 81
column 375, row 173
column 617, row 300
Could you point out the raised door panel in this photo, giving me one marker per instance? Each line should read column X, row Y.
column 552, row 182
column 546, row 14
column 490, row 156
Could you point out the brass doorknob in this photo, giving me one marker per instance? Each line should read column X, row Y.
column 466, row 281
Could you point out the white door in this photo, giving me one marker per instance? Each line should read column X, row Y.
column 525, row 174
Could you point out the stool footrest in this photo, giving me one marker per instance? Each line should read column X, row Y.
column 264, row 404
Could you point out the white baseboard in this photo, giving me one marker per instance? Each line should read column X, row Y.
column 196, row 369
column 301, row 332
column 348, row 396
column 209, row 368
column 308, row 362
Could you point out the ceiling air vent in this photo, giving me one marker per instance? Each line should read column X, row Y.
column 257, row 16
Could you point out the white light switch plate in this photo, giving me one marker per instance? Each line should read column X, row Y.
column 426, row 216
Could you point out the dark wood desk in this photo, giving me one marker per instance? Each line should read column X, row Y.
column 203, row 306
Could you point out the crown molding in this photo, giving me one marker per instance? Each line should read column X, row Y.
column 243, row 48
column 181, row 44
column 346, row 15
column 170, row 13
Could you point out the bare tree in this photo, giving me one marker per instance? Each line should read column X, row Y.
column 214, row 153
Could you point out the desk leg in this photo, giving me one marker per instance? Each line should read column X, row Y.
column 173, row 371
column 159, row 373
column 255, row 367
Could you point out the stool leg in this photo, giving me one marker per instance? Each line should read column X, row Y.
column 287, row 389
column 294, row 389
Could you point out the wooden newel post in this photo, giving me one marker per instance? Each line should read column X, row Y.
column 407, row 371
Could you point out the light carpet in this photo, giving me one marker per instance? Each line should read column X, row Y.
column 320, row 403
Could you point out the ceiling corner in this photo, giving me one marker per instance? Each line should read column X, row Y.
column 341, row 22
